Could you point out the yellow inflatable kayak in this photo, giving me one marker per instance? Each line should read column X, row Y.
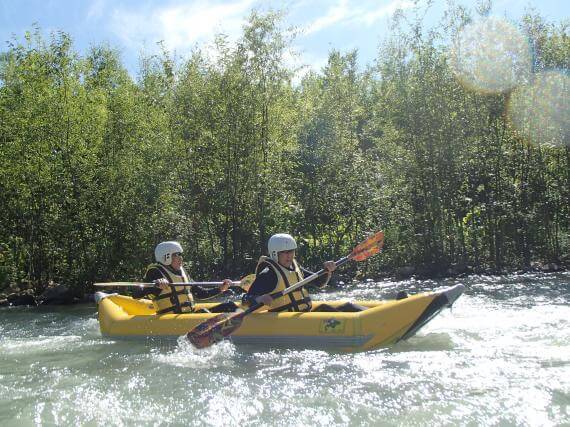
column 383, row 323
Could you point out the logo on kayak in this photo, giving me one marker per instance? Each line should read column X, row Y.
column 332, row 326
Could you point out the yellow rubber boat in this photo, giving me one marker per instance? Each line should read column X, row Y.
column 384, row 323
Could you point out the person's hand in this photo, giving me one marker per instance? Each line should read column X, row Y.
column 226, row 283
column 329, row 266
column 264, row 299
column 161, row 283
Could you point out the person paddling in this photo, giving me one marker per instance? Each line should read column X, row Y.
column 169, row 270
column 281, row 270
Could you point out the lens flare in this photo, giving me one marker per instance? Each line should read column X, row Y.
column 491, row 56
column 540, row 111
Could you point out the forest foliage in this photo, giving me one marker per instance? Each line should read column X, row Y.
column 221, row 150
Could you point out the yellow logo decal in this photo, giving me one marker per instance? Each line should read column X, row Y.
column 332, row 326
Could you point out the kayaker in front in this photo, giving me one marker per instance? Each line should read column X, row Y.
column 169, row 270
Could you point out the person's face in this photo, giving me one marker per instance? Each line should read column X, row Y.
column 285, row 258
column 176, row 260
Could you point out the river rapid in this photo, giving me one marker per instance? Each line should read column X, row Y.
column 501, row 356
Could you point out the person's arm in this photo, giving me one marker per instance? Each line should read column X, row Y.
column 322, row 281
column 205, row 293
column 150, row 276
column 265, row 283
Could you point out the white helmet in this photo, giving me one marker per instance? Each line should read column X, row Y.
column 279, row 243
column 164, row 250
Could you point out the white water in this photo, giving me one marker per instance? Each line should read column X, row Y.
column 500, row 357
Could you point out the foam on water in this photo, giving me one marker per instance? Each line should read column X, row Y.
column 185, row 355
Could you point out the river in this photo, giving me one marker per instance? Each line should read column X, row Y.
column 500, row 356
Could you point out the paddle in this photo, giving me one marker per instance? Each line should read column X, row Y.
column 244, row 283
column 217, row 328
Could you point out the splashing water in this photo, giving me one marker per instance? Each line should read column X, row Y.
column 500, row 357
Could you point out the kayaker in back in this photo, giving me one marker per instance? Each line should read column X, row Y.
column 281, row 270
column 166, row 272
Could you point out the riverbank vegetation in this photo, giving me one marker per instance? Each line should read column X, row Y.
column 225, row 147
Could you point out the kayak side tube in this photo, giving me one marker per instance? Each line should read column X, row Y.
column 382, row 324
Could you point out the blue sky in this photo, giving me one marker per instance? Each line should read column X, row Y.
column 135, row 26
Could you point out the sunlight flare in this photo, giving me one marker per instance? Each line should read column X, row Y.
column 491, row 56
column 541, row 111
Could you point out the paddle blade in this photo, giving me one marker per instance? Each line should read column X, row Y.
column 215, row 329
column 367, row 253
column 369, row 247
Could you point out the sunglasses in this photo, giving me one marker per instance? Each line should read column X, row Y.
column 177, row 254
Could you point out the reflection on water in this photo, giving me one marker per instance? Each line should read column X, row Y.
column 500, row 356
